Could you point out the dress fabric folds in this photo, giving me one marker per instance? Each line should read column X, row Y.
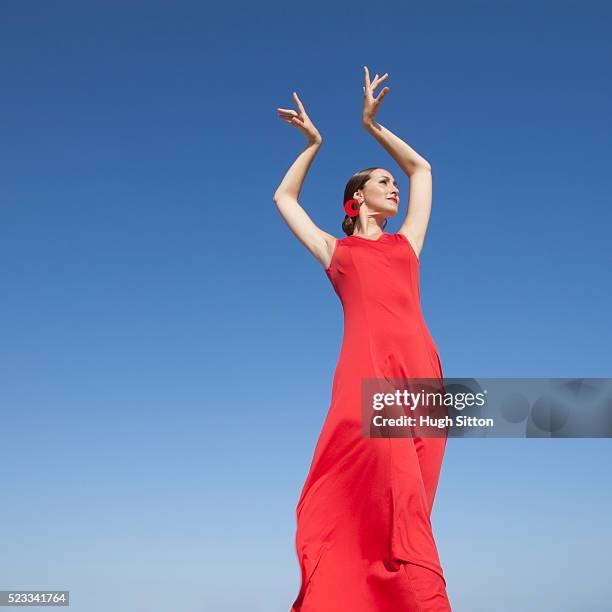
column 364, row 538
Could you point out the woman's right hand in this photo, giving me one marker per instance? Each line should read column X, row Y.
column 301, row 121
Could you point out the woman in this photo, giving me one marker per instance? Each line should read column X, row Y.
column 364, row 539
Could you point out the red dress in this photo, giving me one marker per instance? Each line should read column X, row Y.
column 364, row 538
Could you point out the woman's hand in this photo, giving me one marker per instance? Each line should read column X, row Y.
column 370, row 104
column 301, row 121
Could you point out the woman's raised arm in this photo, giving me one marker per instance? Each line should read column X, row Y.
column 319, row 243
column 414, row 226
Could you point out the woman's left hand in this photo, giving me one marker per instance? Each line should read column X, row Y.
column 371, row 104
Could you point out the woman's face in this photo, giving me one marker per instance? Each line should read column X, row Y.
column 381, row 193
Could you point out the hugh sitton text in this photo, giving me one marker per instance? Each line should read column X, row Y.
column 429, row 421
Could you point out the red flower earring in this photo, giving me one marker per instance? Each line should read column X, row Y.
column 351, row 207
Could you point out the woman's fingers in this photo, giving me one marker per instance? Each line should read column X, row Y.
column 377, row 80
column 381, row 95
column 289, row 115
column 366, row 76
column 299, row 103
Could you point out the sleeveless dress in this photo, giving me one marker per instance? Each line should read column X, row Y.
column 364, row 538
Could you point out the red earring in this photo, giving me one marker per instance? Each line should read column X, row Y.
column 351, row 207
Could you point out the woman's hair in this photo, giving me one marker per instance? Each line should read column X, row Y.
column 355, row 183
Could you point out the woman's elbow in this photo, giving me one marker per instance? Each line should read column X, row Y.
column 419, row 166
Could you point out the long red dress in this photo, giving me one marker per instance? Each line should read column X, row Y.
column 364, row 538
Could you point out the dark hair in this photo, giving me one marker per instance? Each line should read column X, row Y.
column 355, row 183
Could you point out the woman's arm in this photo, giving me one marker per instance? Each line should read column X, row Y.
column 414, row 226
column 319, row 243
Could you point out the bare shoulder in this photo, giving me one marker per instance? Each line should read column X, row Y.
column 330, row 240
column 327, row 252
column 416, row 241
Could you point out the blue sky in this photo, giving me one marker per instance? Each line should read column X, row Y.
column 168, row 346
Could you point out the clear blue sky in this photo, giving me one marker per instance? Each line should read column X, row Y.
column 167, row 346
